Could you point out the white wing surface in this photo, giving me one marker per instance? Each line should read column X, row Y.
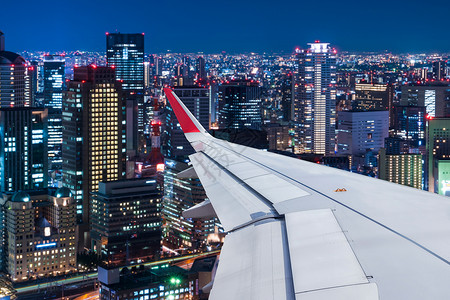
column 298, row 230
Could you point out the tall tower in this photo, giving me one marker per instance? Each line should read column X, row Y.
column 54, row 80
column 315, row 97
column 93, row 134
column 125, row 53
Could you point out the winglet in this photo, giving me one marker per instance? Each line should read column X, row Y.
column 188, row 122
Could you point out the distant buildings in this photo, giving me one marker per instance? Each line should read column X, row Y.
column 359, row 132
column 314, row 99
column 240, row 105
column 23, row 149
column 93, row 134
column 126, row 220
column 40, row 234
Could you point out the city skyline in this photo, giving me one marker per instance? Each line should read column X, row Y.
column 212, row 28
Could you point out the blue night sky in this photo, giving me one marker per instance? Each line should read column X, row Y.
column 231, row 25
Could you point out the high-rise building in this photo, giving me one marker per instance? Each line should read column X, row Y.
column 408, row 122
column 125, row 53
column 359, row 132
column 240, row 105
column 201, row 68
column 314, row 99
column 439, row 70
column 438, row 155
column 403, row 169
column 54, row 80
column 196, row 99
column 126, row 220
column 15, row 81
column 23, row 149
column 434, row 96
column 40, row 233
column 94, row 143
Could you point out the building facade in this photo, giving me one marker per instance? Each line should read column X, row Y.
column 23, row 149
column 126, row 220
column 40, row 233
column 403, row 169
column 359, row 132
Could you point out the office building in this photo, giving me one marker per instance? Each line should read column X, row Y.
column 370, row 96
column 196, row 99
column 408, row 123
column 239, row 105
column 15, row 81
column 23, row 149
column 434, row 96
column 94, row 144
column 314, row 99
column 405, row 169
column 54, row 81
column 126, row 220
column 125, row 53
column 40, row 233
column 438, row 156
column 359, row 132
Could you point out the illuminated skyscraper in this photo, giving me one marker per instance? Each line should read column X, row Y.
column 93, row 134
column 54, row 80
column 240, row 105
column 23, row 149
column 15, row 81
column 314, row 99
column 125, row 53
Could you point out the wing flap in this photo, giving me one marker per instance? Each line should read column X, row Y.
column 321, row 256
column 254, row 264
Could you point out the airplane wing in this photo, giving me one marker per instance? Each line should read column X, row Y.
column 299, row 230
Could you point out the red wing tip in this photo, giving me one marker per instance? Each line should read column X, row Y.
column 186, row 123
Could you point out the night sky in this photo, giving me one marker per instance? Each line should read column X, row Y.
column 229, row 25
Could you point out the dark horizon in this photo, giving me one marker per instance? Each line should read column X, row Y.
column 234, row 27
